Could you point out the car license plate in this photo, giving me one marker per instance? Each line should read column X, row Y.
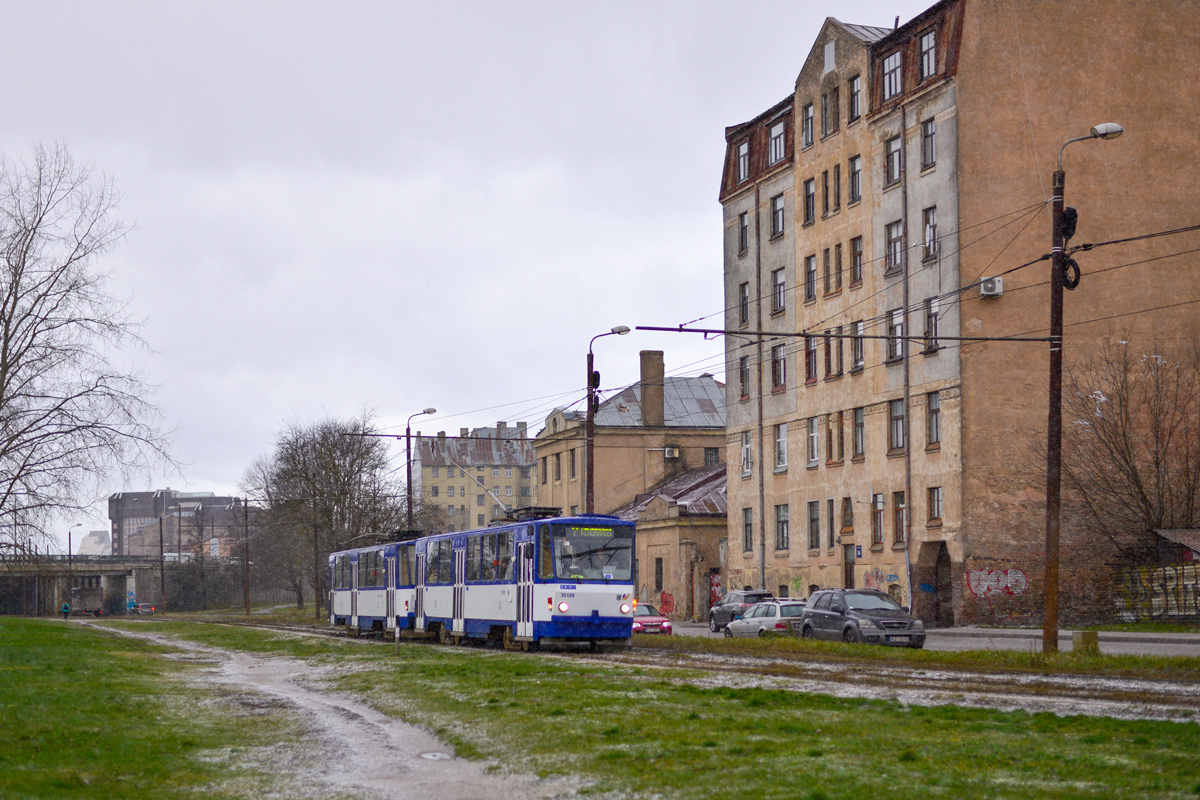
column 797, row 626
column 899, row 638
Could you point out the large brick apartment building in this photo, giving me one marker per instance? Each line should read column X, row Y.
column 909, row 163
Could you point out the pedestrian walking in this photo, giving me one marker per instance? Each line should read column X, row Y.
column 66, row 610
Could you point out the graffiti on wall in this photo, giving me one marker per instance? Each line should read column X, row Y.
column 876, row 579
column 997, row 582
column 799, row 588
column 1158, row 592
column 714, row 592
column 666, row 604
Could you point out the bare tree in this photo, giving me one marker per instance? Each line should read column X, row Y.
column 327, row 485
column 1131, row 436
column 71, row 417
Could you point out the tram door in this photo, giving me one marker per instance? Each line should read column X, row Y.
column 525, row 589
column 460, row 589
column 390, row 622
column 353, row 594
column 419, row 594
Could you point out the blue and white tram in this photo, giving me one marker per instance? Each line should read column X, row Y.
column 561, row 580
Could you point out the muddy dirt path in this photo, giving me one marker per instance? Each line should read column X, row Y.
column 349, row 749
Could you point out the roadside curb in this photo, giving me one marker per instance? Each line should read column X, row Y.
column 1064, row 634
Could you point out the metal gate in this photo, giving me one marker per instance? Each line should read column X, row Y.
column 459, row 625
column 419, row 594
column 525, row 590
column 390, row 622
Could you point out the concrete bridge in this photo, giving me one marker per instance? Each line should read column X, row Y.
column 39, row 585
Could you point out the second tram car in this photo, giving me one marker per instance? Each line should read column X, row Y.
column 559, row 580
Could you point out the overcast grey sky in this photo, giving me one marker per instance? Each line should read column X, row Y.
column 401, row 205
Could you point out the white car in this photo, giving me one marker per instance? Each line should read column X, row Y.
column 771, row 616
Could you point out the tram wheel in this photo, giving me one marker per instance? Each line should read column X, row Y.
column 507, row 640
column 443, row 635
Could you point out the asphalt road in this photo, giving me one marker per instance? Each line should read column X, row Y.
column 971, row 638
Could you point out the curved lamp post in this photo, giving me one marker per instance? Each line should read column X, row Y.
column 408, row 460
column 1107, row 130
column 593, row 381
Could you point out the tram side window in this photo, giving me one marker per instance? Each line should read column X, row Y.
column 431, row 563
column 545, row 553
column 404, row 566
column 487, row 570
column 366, row 570
column 504, row 557
column 473, row 558
column 445, row 560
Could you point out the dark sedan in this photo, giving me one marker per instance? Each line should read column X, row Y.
column 732, row 606
column 860, row 615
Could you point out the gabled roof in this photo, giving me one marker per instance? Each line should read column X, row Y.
column 698, row 492
column 867, row 34
column 475, row 451
column 687, row 403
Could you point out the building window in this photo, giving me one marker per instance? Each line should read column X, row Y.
column 837, row 267
column 806, row 125
column 810, row 359
column 856, row 260
column 778, row 367
column 893, row 160
column 860, row 432
column 855, row 98
column 928, row 55
column 810, row 200
column 855, row 179
column 825, row 193
column 838, row 342
column 781, row 445
column 935, row 504
column 810, row 278
column 928, row 144
column 931, row 325
column 743, row 232
column 929, row 220
column 829, row 354
column 896, row 425
column 545, row 474
column 891, row 76
column 830, row 112
column 743, row 161
column 743, row 377
column 847, row 514
column 779, row 291
column 895, row 334
column 508, row 472
column 478, row 499
column 449, row 491
column 827, row 267
column 899, row 517
column 894, row 233
column 933, row 418
column 571, row 464
column 525, row 492
column 435, row 491
column 814, row 442
column 837, row 186
column 557, row 467
column 777, row 215
column 712, row 456
column 747, row 529
column 747, row 453
column 658, row 574
column 435, row 471
column 877, row 519
column 495, row 472
column 776, row 149
column 479, row 520
column 857, row 346
column 814, row 524
column 829, row 524
column 781, row 527
column 744, row 304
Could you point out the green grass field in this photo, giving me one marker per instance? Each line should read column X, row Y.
column 625, row 730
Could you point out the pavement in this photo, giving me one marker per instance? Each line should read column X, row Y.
column 978, row 638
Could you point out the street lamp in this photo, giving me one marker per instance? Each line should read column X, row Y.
column 593, row 383
column 1107, row 130
column 408, row 459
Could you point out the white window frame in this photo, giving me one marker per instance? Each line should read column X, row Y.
column 776, row 150
column 895, row 333
column 743, row 161
column 894, row 239
column 928, row 54
column 778, row 290
column 806, row 125
column 747, row 453
column 814, row 441
column 781, row 445
column 858, row 353
column 778, row 215
column 929, row 226
column 892, row 76
column 893, row 159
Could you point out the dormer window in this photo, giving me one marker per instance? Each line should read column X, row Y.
column 928, row 54
column 777, row 143
column 743, row 161
column 891, row 76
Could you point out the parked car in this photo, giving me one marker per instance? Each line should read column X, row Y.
column 768, row 617
column 732, row 606
column 646, row 619
column 143, row 609
column 860, row 615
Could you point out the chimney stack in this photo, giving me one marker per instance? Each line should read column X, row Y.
column 652, row 388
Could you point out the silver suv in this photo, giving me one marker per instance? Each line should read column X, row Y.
column 732, row 606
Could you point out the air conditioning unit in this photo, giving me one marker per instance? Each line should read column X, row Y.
column 670, row 452
column 991, row 287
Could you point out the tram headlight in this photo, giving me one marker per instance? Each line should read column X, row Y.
column 626, row 608
column 563, row 607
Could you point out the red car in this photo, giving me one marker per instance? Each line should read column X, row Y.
column 646, row 619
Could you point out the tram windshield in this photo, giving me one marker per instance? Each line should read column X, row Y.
column 592, row 552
